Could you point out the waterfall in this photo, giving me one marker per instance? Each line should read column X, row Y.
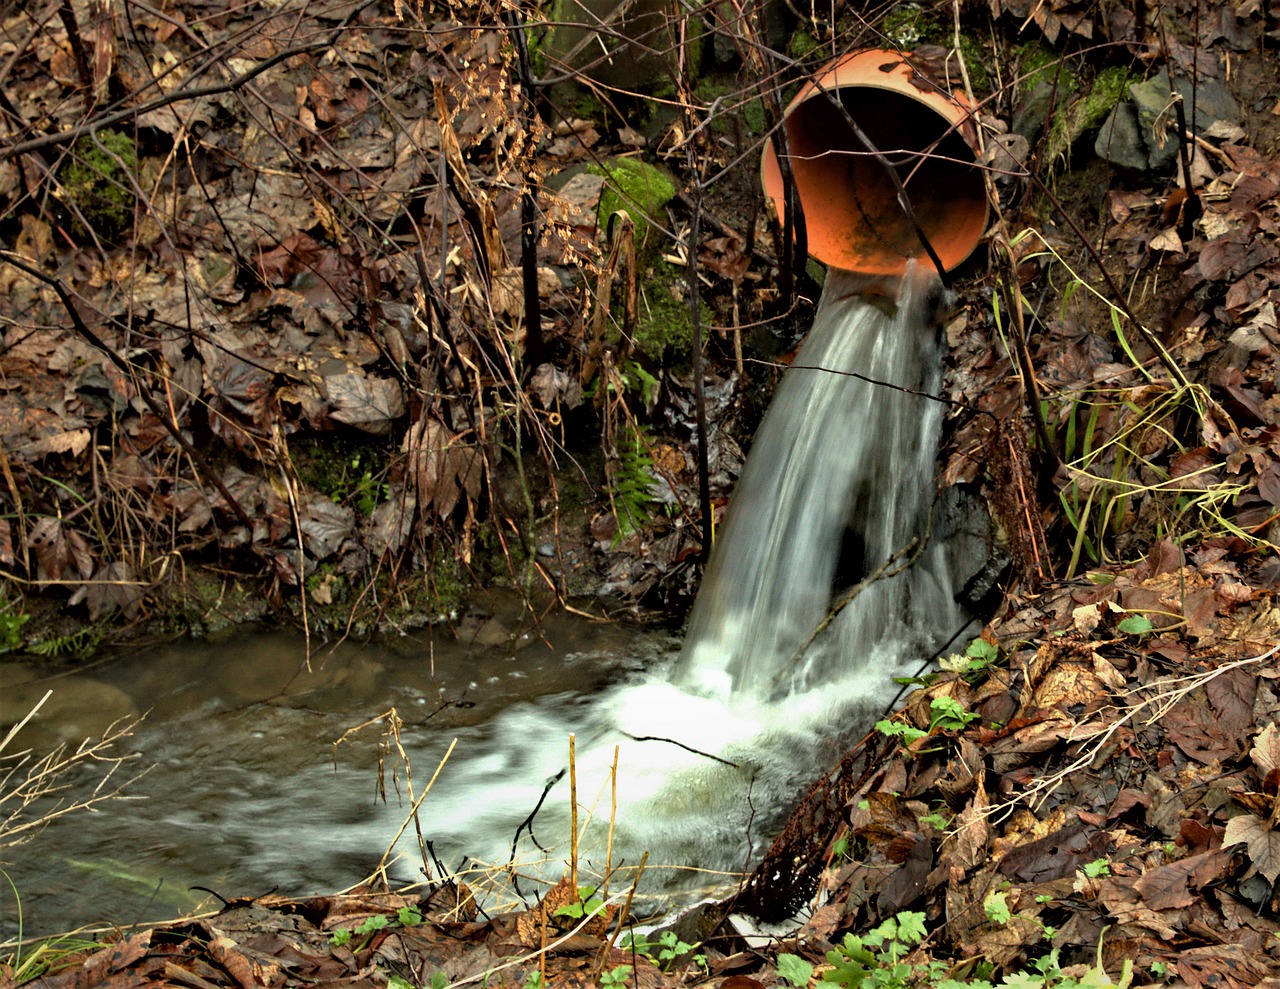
column 838, row 483
column 716, row 743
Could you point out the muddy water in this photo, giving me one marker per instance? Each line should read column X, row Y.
column 244, row 795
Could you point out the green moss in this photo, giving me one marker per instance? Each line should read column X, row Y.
column 728, row 90
column 664, row 324
column 346, row 469
column 802, row 44
column 1037, row 64
column 641, row 189
column 1087, row 113
column 1108, row 89
column 93, row 180
column 975, row 61
column 906, row 26
column 902, row 26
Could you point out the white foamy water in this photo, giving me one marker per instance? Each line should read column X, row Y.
column 840, row 479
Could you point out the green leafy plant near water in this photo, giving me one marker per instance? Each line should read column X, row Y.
column 665, row 951
column 345, row 936
column 11, row 622
column 882, row 958
column 588, row 904
column 945, row 714
column 631, row 481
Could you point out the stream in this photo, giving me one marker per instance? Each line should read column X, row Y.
column 246, row 793
column 837, row 571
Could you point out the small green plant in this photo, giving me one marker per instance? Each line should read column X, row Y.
column 588, row 904
column 879, row 959
column 615, row 978
column 996, row 907
column 631, row 482
column 438, row 980
column 949, row 714
column 979, row 656
column 1138, row 625
column 398, row 982
column 1097, row 869
column 665, row 951
column 534, row 981
column 406, row 916
column 11, row 623
column 794, row 970
column 80, row 643
column 409, row 916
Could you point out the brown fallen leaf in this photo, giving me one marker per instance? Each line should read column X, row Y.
column 1176, row 885
column 1262, row 842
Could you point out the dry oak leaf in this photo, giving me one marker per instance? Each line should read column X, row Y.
column 1262, row 842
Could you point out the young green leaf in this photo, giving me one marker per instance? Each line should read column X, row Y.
column 795, row 970
column 1135, row 625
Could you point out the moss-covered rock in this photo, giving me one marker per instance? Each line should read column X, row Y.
column 95, row 183
column 643, row 190
column 664, row 324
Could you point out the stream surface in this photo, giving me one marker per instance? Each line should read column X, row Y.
column 246, row 793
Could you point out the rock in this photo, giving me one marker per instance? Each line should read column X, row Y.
column 1119, row 140
column 1216, row 113
column 1039, row 103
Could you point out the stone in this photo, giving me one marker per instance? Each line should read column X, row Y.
column 1120, row 142
column 1213, row 103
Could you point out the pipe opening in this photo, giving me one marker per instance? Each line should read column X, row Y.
column 852, row 214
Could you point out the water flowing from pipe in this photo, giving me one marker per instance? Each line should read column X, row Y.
column 839, row 486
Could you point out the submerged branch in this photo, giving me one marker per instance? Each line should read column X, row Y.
column 886, row 570
column 687, row 748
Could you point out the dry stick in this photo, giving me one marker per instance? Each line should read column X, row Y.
column 707, row 520
column 534, row 347
column 1192, row 207
column 413, row 811
column 4, row 743
column 679, row 745
column 19, row 510
column 573, row 815
column 127, row 369
column 626, row 909
column 68, row 17
column 1029, row 385
column 613, row 816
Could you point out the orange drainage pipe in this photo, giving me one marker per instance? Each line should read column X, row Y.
column 853, row 217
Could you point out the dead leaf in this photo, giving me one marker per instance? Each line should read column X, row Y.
column 1172, row 886
column 325, row 526
column 1266, row 749
column 368, row 403
column 1262, row 842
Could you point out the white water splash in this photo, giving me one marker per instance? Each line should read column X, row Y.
column 839, row 481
